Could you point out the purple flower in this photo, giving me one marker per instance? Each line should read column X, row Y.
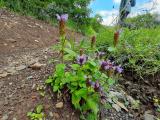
column 119, row 69
column 82, row 59
column 63, row 17
column 106, row 65
column 97, row 86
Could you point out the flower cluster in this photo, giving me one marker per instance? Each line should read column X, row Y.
column 108, row 65
column 63, row 17
column 82, row 59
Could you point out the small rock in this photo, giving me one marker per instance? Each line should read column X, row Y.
column 30, row 77
column 4, row 74
column 56, row 115
column 14, row 118
column 50, row 114
column 59, row 105
column 148, row 116
column 21, row 67
column 116, row 107
column 36, row 40
column 130, row 115
column 5, row 44
column 10, row 83
column 36, row 66
column 33, row 86
column 5, row 117
column 47, row 106
column 11, row 70
column 11, row 40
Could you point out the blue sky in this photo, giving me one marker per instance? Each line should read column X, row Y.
column 106, row 10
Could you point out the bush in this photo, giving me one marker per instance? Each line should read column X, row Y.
column 137, row 51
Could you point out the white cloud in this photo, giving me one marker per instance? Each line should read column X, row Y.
column 117, row 1
column 110, row 17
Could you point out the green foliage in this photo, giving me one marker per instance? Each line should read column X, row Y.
column 137, row 51
column 37, row 114
column 85, row 81
column 78, row 11
column 144, row 21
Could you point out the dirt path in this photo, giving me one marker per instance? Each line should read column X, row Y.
column 25, row 41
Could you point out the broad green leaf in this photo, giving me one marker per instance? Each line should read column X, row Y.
column 68, row 57
column 39, row 109
column 29, row 114
column 49, row 81
column 60, row 69
column 92, row 63
column 81, row 93
column 92, row 105
column 71, row 52
column 111, row 49
column 75, row 66
column 55, row 88
column 111, row 81
column 75, row 101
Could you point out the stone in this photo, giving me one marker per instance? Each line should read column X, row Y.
column 5, row 117
column 14, row 118
column 30, row 77
column 56, row 115
column 116, row 107
column 10, row 83
column 11, row 40
column 4, row 74
column 36, row 41
column 36, row 66
column 50, row 114
column 148, row 116
column 21, row 67
column 59, row 105
column 11, row 70
column 5, row 44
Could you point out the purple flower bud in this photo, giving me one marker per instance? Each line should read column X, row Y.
column 103, row 64
column 82, row 59
column 96, row 86
column 89, row 82
column 119, row 69
column 63, row 17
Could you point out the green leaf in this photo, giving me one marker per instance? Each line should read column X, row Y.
column 29, row 114
column 39, row 109
column 75, row 101
column 92, row 116
column 60, row 69
column 68, row 57
column 49, row 81
column 75, row 66
column 71, row 52
column 111, row 49
column 93, row 63
column 111, row 81
column 81, row 93
column 55, row 88
column 92, row 105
